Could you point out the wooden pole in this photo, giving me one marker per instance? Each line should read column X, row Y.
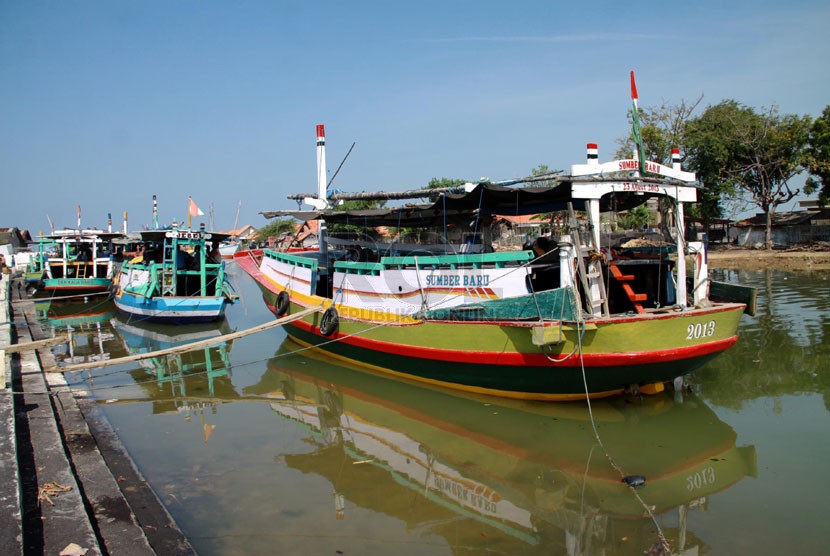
column 37, row 344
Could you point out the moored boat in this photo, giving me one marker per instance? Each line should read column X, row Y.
column 573, row 317
column 178, row 278
column 35, row 269
column 227, row 249
column 82, row 263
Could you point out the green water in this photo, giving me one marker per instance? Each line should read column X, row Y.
column 256, row 449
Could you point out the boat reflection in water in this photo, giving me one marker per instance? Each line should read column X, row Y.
column 183, row 382
column 86, row 322
column 527, row 473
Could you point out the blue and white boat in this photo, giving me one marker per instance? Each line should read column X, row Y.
column 178, row 277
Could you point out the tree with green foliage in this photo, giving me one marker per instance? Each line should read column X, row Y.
column 817, row 157
column 738, row 151
column 661, row 129
column 543, row 170
column 710, row 154
column 275, row 228
column 438, row 183
column 769, row 151
column 635, row 219
column 357, row 204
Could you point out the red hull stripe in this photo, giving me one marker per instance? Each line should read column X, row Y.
column 289, row 277
column 531, row 359
column 249, row 265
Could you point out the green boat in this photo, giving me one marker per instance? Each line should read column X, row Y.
column 575, row 314
column 175, row 280
column 82, row 264
column 36, row 267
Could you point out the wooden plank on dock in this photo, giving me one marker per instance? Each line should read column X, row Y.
column 37, row 344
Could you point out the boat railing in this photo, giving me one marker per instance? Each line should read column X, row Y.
column 473, row 260
column 351, row 267
column 73, row 268
column 450, row 262
column 214, row 274
column 292, row 259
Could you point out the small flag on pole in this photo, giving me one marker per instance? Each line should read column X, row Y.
column 79, row 216
column 635, row 132
column 194, row 210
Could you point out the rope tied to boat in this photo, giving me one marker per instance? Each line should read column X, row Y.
column 631, row 485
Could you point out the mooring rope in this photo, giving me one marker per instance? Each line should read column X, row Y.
column 660, row 535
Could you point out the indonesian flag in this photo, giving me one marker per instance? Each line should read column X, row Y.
column 635, row 131
column 194, row 210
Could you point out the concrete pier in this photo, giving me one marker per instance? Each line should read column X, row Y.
column 68, row 480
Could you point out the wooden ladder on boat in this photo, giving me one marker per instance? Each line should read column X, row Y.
column 635, row 298
column 590, row 275
column 168, row 270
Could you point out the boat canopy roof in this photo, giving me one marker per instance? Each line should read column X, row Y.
column 76, row 234
column 464, row 202
column 182, row 233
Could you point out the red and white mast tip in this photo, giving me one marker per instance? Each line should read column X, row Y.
column 633, row 87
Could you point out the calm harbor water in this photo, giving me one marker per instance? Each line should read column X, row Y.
column 259, row 447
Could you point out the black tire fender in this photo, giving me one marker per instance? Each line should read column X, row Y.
column 329, row 321
column 282, row 304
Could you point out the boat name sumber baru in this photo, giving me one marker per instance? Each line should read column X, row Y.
column 466, row 280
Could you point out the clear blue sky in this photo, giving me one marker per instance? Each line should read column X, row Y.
column 105, row 103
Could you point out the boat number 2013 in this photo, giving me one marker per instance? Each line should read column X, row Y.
column 700, row 330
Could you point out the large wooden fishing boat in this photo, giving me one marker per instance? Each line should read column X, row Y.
column 574, row 316
column 175, row 279
column 82, row 262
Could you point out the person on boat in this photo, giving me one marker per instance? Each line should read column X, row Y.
column 183, row 259
column 139, row 256
column 214, row 256
column 152, row 254
column 541, row 246
column 195, row 262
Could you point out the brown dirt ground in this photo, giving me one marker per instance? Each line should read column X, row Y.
column 794, row 259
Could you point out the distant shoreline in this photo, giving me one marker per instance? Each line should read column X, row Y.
column 761, row 259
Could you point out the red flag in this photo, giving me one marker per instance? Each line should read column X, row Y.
column 635, row 128
column 194, row 210
column 633, row 87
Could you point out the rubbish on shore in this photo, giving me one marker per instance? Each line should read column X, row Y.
column 73, row 549
column 51, row 489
